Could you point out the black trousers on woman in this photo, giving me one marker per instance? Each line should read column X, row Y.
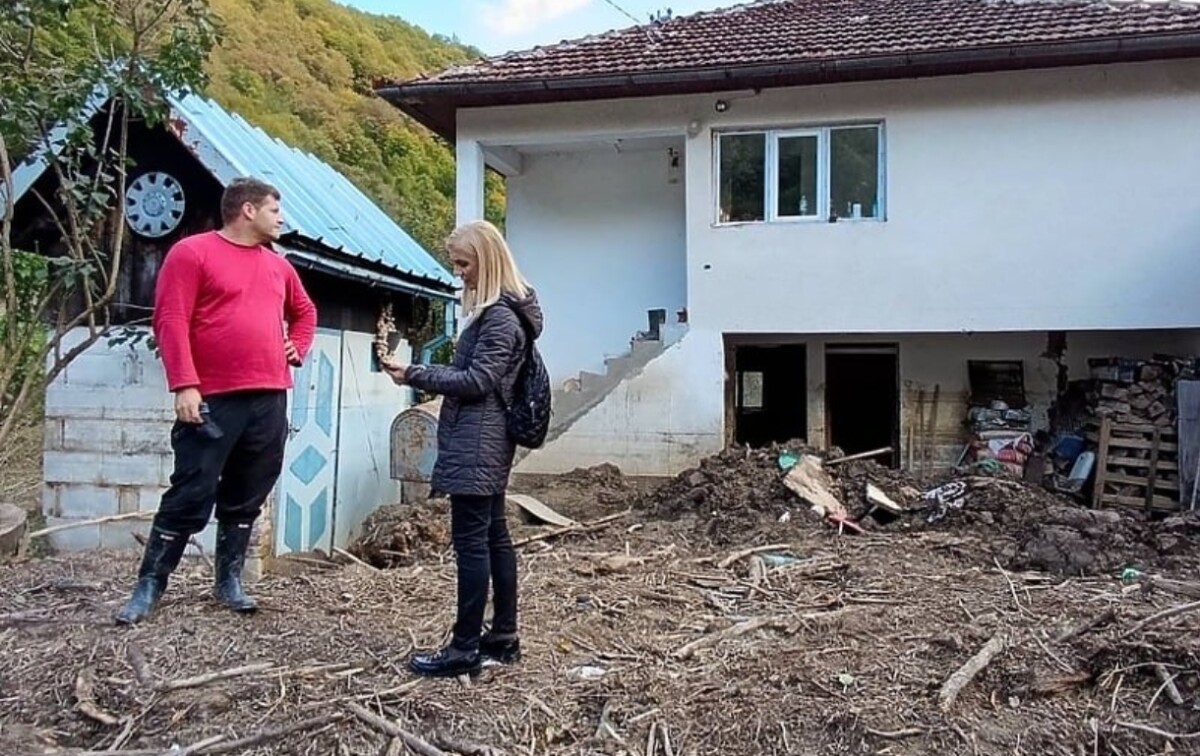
column 484, row 553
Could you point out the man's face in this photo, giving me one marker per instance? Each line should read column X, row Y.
column 266, row 220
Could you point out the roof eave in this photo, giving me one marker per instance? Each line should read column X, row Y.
column 436, row 103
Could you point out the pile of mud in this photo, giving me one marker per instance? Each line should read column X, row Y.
column 1023, row 526
column 400, row 535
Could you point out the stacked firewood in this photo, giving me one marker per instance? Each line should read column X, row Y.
column 1138, row 392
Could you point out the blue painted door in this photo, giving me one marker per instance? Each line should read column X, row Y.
column 305, row 503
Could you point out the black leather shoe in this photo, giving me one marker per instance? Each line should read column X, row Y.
column 448, row 662
column 504, row 649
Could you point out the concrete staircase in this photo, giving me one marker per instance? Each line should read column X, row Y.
column 576, row 396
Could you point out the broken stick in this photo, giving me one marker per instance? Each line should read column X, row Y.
column 1174, row 611
column 861, row 455
column 584, row 528
column 733, row 631
column 967, row 672
column 198, row 680
column 240, row 745
column 387, row 728
column 737, row 556
column 85, row 697
column 97, row 521
column 1168, row 684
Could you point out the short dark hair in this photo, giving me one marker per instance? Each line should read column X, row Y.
column 243, row 190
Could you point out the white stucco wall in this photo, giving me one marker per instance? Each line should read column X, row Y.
column 659, row 422
column 370, row 402
column 1059, row 199
column 601, row 235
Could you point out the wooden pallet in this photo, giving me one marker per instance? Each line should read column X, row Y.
column 1136, row 466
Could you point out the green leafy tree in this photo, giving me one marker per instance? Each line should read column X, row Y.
column 60, row 61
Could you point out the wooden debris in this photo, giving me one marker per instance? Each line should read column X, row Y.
column 355, row 560
column 737, row 556
column 539, row 511
column 877, row 498
column 581, row 528
column 85, row 699
column 387, row 728
column 228, row 674
column 455, row 745
column 1168, row 684
column 86, row 523
column 1165, row 614
column 861, row 455
column 967, row 672
column 811, row 483
column 734, row 631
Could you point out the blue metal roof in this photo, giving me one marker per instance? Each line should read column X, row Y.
column 319, row 203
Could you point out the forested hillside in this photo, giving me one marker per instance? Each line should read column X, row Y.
column 302, row 70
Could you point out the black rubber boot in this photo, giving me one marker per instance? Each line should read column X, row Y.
column 163, row 552
column 232, row 541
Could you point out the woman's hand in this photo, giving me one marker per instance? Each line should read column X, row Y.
column 396, row 371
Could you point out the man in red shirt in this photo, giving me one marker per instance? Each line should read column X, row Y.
column 230, row 318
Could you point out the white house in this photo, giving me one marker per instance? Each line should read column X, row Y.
column 838, row 205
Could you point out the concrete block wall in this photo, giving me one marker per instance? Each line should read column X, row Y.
column 107, row 444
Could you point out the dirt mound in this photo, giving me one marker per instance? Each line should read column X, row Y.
column 1024, row 527
column 1030, row 528
column 729, row 493
column 399, row 535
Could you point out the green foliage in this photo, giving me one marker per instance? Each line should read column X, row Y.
column 56, row 57
column 304, row 71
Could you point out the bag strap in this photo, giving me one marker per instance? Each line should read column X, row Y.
column 528, row 355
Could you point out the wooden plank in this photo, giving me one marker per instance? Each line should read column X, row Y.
column 1101, row 462
column 1153, row 471
column 1134, row 443
column 1137, row 480
column 539, row 511
column 1160, row 503
column 1164, row 465
column 1188, row 395
column 1144, row 429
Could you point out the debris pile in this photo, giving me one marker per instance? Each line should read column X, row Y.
column 728, row 492
column 399, row 535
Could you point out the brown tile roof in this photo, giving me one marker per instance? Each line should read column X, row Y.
column 773, row 37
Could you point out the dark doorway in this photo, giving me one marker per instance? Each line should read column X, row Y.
column 862, row 399
column 769, row 393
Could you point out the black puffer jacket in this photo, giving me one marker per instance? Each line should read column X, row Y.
column 475, row 454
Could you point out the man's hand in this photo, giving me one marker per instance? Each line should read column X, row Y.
column 187, row 405
column 293, row 354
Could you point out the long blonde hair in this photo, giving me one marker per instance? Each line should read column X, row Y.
column 498, row 272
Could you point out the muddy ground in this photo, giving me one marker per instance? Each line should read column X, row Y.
column 652, row 630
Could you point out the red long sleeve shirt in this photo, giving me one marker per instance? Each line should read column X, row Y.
column 219, row 314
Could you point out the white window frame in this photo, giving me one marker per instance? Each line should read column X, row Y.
column 771, row 173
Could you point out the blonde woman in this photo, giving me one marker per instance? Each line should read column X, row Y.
column 475, row 453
